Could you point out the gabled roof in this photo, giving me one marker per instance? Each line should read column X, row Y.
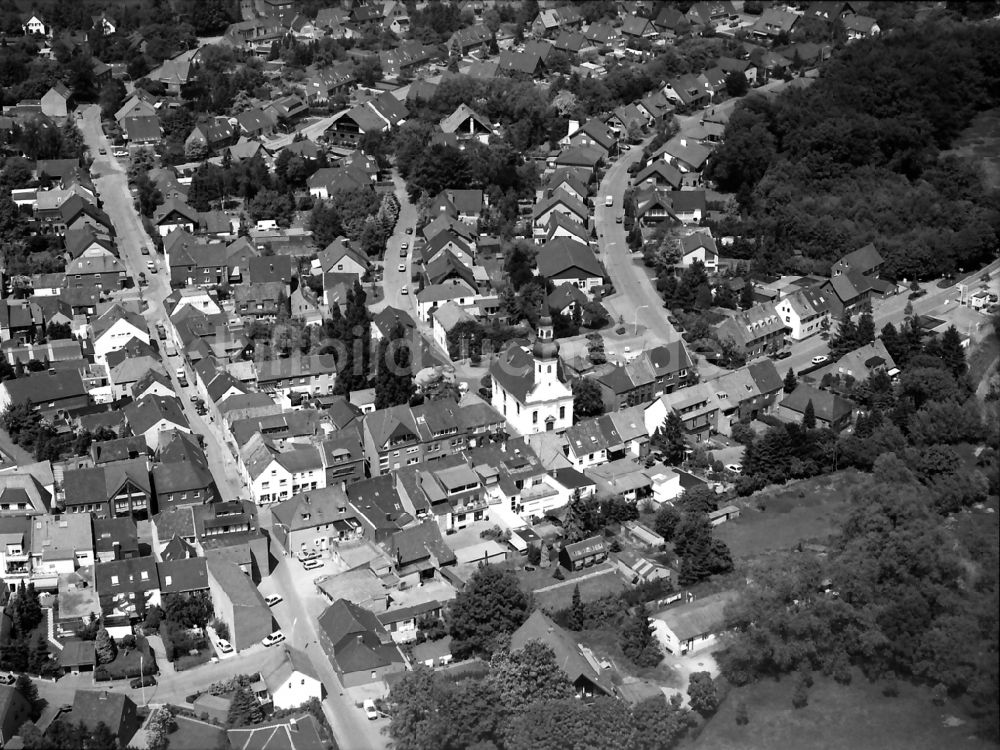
column 148, row 411
column 563, row 254
column 827, row 406
column 175, row 206
column 569, row 657
column 664, row 170
column 561, row 197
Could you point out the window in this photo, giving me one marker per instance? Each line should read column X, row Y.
column 562, row 412
column 114, row 580
column 534, row 417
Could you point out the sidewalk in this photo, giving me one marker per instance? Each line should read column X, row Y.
column 160, row 652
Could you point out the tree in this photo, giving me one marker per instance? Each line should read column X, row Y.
column 637, row 641
column 394, row 370
column 576, row 614
column 659, row 724
column 666, row 520
column 866, row 326
column 587, row 399
column 245, row 709
column 580, row 521
column 159, row 725
column 746, row 296
column 26, row 687
column 702, row 693
column 105, row 647
column 809, row 416
column 791, row 382
column 193, row 610
column 669, row 439
column 490, row 606
column 111, row 98
column 569, row 723
column 523, row 677
column 737, row 84
column 101, row 738
column 693, row 542
column 846, row 338
column 952, row 352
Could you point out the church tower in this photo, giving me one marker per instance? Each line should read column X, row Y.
column 546, row 354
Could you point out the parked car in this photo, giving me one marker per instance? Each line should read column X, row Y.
column 370, row 711
column 619, row 218
column 312, row 564
column 223, row 646
column 8, row 679
column 141, row 682
column 143, row 281
column 161, row 332
column 273, row 599
column 784, row 354
column 917, row 294
column 276, row 637
column 735, row 468
column 404, row 290
column 402, row 268
column 307, row 554
column 819, row 359
column 409, row 230
column 144, row 249
column 102, row 150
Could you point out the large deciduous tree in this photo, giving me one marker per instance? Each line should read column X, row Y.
column 491, row 606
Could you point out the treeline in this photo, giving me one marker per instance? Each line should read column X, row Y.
column 904, row 594
column 856, row 157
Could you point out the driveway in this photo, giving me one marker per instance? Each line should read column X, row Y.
column 635, row 301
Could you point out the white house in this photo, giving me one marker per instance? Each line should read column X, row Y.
column 273, row 476
column 35, row 24
column 434, row 295
column 690, row 627
column 59, row 546
column 446, row 318
column 700, row 246
column 114, row 329
column 804, row 312
column 289, row 679
column 527, row 389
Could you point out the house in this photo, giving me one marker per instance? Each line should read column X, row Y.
column 211, row 135
column 467, row 124
column 152, row 415
column 583, row 554
column 734, row 65
column 754, row 331
column 638, row 27
column 55, row 101
column 660, row 175
column 563, row 260
column 14, row 712
column 141, row 132
column 445, row 319
column 578, row 664
column 723, row 514
column 34, row 23
column 174, row 214
column 830, row 410
column 710, row 13
column 805, row 312
column 527, row 388
column 774, row 22
column 49, row 391
column 114, row 710
column 592, row 134
column 684, row 153
column 850, row 289
column 692, row 626
column 238, row 603
column 696, row 405
column 184, row 575
column 59, row 545
column 469, row 39
column 623, row 477
column 860, row 27
column 111, row 490
column 22, row 494
column 314, row 520
column 341, row 257
column 114, row 329
column 859, row 364
column 274, row 475
column 688, row 91
column 115, row 538
column 865, row 260
column 126, row 590
column 289, row 678
column 700, row 246
column 560, row 202
column 183, row 483
column 377, row 115
column 652, row 373
column 359, row 648
column 257, row 122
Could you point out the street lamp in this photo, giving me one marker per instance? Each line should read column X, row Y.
column 635, row 325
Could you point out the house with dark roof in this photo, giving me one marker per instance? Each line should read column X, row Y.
column 152, row 415
column 469, row 39
column 315, row 520
column 579, row 665
column 238, row 603
column 174, row 214
column 47, row 391
column 359, row 648
column 774, row 22
column 419, row 551
column 183, row 576
column 183, row 483
column 115, row 538
column 831, row 411
column 583, row 554
column 689, row 627
column 126, row 589
column 563, row 260
column 754, row 330
column 111, row 490
column 114, row 710
column 562, row 202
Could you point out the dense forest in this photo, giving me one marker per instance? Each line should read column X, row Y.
column 856, row 157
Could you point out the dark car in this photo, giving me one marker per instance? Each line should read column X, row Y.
column 141, row 682
column 783, row 355
column 917, row 294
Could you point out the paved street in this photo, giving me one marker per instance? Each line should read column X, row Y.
column 351, row 727
column 394, row 280
column 635, row 298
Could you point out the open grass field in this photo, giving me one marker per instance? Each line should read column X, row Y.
column 779, row 518
column 838, row 717
column 590, row 589
column 980, row 142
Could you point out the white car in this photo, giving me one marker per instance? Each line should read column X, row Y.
column 273, row 599
column 819, row 359
column 223, row 646
column 404, row 290
column 735, row 468
column 312, row 564
column 8, row 679
column 402, row 268
column 405, row 246
column 276, row 637
column 370, row 711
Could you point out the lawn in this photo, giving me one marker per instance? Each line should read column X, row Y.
column 604, row 644
column 778, row 519
column 194, row 735
column 838, row 717
column 590, row 589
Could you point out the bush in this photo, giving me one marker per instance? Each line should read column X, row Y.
column 221, row 628
column 534, row 555
column 558, row 573
column 101, row 674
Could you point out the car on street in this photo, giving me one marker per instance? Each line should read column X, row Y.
column 409, row 230
column 619, row 219
column 307, row 554
column 916, row 294
column 312, row 564
column 273, row 599
column 783, row 354
column 141, row 682
column 609, row 200
column 144, row 250
column 143, row 281
column 370, row 711
column 405, row 246
column 161, row 332
column 402, row 268
column 223, row 646
column 171, row 352
column 819, row 359
column 404, row 290
column 276, row 637
column 102, row 150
